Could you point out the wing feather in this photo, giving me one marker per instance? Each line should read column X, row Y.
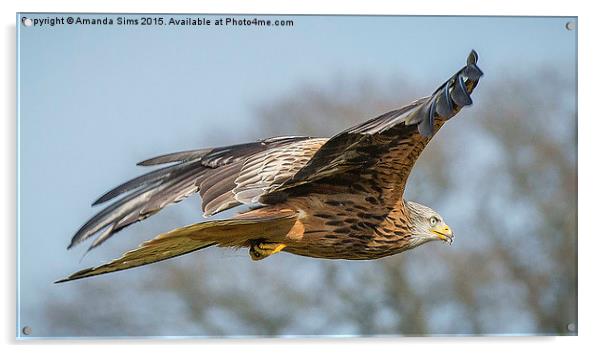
column 399, row 135
column 268, row 170
column 210, row 172
column 180, row 241
column 175, row 157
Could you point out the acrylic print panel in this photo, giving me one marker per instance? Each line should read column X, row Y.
column 98, row 93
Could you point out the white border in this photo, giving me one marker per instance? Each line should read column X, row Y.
column 589, row 178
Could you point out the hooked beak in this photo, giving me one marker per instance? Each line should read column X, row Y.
column 444, row 233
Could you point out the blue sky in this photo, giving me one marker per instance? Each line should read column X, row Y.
column 94, row 100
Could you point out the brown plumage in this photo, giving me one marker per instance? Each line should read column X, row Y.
column 336, row 198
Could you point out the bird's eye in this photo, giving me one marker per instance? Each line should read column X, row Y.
column 434, row 221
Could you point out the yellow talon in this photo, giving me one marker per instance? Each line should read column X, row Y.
column 260, row 251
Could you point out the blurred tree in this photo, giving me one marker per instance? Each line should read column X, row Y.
column 503, row 174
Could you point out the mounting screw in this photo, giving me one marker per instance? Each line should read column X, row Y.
column 26, row 330
column 570, row 25
column 26, row 21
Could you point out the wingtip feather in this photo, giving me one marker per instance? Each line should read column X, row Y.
column 473, row 57
column 77, row 275
column 450, row 97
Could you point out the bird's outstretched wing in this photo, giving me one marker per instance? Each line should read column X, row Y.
column 397, row 137
column 231, row 232
column 224, row 177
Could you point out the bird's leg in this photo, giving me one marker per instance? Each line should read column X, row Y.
column 261, row 250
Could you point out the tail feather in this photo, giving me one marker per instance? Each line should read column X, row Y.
column 225, row 233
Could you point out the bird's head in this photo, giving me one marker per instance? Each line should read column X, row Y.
column 427, row 225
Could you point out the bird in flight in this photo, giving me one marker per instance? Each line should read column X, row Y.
column 332, row 198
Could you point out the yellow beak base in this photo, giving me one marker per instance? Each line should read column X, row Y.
column 444, row 233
